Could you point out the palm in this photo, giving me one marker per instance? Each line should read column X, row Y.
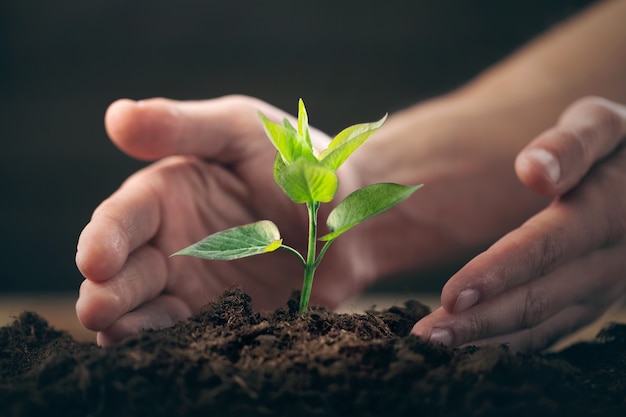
column 203, row 198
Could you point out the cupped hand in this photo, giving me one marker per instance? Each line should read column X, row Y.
column 214, row 171
column 565, row 266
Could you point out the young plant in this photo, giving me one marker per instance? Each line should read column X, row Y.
column 310, row 179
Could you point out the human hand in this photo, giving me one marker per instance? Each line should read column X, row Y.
column 213, row 172
column 565, row 266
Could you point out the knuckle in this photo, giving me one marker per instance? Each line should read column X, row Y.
column 239, row 107
column 240, row 113
column 603, row 208
column 602, row 110
column 550, row 252
column 578, row 142
column 547, row 253
column 497, row 281
column 606, row 119
column 238, row 100
column 588, row 101
column 603, row 120
column 614, row 223
column 534, row 309
column 476, row 327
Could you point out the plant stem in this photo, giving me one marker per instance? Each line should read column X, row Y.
column 311, row 265
column 322, row 252
column 295, row 252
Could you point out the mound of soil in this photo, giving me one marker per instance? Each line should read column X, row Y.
column 232, row 361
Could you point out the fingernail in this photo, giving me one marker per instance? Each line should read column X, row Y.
column 443, row 336
column 548, row 161
column 465, row 300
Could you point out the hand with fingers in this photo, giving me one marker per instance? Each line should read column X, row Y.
column 561, row 269
column 565, row 266
column 213, row 172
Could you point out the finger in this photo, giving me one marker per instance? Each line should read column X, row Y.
column 532, row 339
column 589, row 130
column 122, row 223
column 163, row 311
column 142, row 278
column 593, row 279
column 551, row 238
column 219, row 128
column 549, row 332
column 573, row 225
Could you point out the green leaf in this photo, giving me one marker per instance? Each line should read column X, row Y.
column 306, row 182
column 348, row 141
column 363, row 204
column 279, row 164
column 287, row 141
column 237, row 242
column 288, row 125
column 303, row 124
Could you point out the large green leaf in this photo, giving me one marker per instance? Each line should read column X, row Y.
column 306, row 182
column 237, row 242
column 346, row 142
column 287, row 140
column 363, row 204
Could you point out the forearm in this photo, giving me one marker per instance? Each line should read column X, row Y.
column 585, row 55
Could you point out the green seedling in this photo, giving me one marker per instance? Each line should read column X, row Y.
column 307, row 178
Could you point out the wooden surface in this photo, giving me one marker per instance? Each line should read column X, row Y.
column 58, row 309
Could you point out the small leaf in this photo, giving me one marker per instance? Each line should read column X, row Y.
column 303, row 124
column 363, row 204
column 279, row 164
column 286, row 141
column 288, row 125
column 237, row 242
column 348, row 141
column 306, row 182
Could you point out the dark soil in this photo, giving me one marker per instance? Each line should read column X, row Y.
column 229, row 360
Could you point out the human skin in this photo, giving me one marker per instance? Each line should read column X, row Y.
column 214, row 171
column 564, row 267
column 561, row 269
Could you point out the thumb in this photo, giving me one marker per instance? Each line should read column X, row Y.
column 222, row 128
column 587, row 131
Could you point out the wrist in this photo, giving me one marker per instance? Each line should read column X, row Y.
column 452, row 144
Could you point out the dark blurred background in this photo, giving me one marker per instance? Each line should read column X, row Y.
column 62, row 62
